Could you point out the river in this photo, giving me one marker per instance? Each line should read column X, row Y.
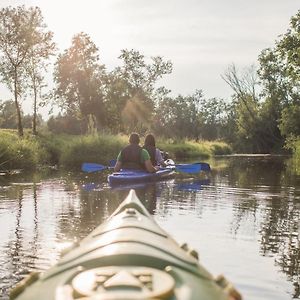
column 243, row 220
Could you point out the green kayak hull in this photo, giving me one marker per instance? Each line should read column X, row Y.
column 127, row 257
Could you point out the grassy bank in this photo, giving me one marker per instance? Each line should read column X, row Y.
column 16, row 153
column 71, row 151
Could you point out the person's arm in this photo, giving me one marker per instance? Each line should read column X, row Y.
column 148, row 164
column 158, row 157
column 118, row 164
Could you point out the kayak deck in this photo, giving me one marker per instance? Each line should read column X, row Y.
column 127, row 257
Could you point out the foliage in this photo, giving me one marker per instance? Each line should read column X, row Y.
column 132, row 91
column 36, row 64
column 293, row 143
column 22, row 40
column 8, row 115
column 8, row 118
column 263, row 112
column 67, row 124
column 179, row 116
column 16, row 153
column 251, row 128
column 191, row 117
column 80, row 81
column 71, row 151
column 280, row 75
column 92, row 148
column 290, row 120
column 189, row 149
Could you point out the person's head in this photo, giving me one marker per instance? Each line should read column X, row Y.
column 149, row 140
column 134, row 138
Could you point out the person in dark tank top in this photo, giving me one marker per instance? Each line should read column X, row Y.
column 134, row 157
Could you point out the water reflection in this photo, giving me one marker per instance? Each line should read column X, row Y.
column 270, row 199
column 243, row 219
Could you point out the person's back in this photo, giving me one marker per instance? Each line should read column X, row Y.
column 134, row 157
column 152, row 151
column 131, row 157
column 155, row 154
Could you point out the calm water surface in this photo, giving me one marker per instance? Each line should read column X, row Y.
column 243, row 221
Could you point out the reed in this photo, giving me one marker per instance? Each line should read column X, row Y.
column 92, row 148
column 71, row 151
column 189, row 149
column 16, row 153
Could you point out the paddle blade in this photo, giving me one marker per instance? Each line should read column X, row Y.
column 91, row 167
column 188, row 168
column 205, row 166
column 192, row 168
column 112, row 162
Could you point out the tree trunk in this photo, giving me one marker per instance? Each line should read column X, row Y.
column 34, row 110
column 19, row 118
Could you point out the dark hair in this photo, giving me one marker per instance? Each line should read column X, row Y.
column 134, row 138
column 150, row 140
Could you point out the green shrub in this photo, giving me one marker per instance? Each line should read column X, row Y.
column 181, row 150
column 220, row 148
column 71, row 151
column 93, row 148
column 17, row 153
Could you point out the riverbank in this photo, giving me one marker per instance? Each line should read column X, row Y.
column 71, row 151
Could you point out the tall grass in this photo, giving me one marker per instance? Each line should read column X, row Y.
column 187, row 149
column 93, row 148
column 71, row 151
column 16, row 153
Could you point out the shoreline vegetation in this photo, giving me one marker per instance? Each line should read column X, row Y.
column 261, row 116
column 70, row 151
column 294, row 145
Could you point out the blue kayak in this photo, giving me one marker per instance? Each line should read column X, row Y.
column 137, row 176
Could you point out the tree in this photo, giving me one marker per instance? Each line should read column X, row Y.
column 214, row 115
column 280, row 75
column 290, row 121
column 21, row 36
column 36, row 64
column 8, row 115
column 180, row 116
column 256, row 130
column 138, row 80
column 65, row 124
column 80, row 81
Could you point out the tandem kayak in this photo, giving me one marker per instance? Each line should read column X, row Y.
column 127, row 257
column 139, row 176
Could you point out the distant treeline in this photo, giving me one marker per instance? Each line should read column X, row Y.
column 262, row 114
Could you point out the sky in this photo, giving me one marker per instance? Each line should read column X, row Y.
column 200, row 37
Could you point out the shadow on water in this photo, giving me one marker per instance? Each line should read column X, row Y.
column 42, row 213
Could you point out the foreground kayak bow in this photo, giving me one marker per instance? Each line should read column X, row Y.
column 128, row 257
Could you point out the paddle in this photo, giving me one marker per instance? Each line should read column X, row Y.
column 192, row 168
column 185, row 168
column 112, row 162
column 91, row 167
